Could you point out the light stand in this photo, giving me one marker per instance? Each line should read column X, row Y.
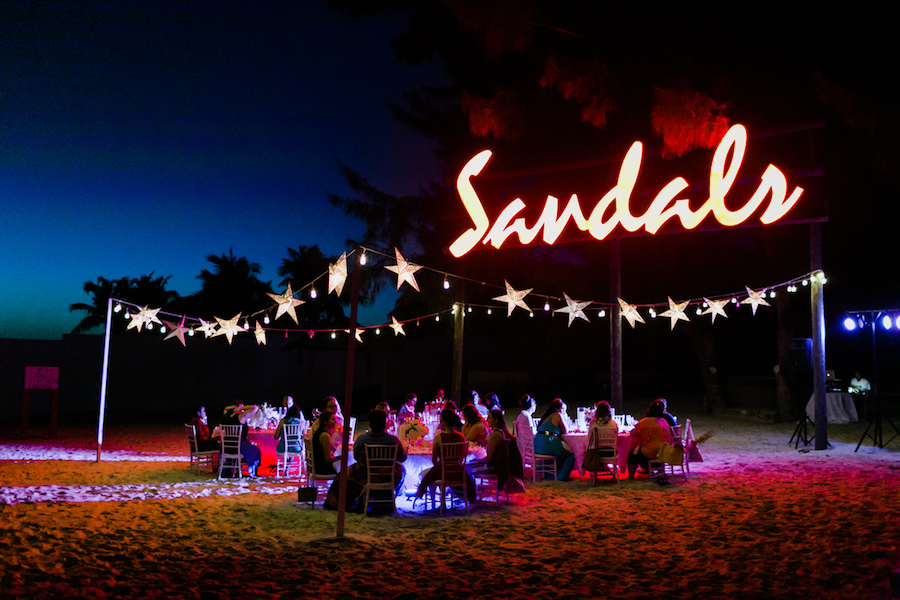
column 873, row 413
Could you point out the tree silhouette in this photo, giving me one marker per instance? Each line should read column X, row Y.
column 302, row 266
column 231, row 287
column 143, row 291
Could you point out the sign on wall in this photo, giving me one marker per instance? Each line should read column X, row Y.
column 41, row 378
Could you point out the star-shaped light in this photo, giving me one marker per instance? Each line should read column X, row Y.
column 145, row 316
column 260, row 334
column 716, row 307
column 575, row 309
column 356, row 334
column 754, row 299
column 676, row 312
column 630, row 312
column 229, row 328
column 513, row 298
column 405, row 271
column 208, row 329
column 286, row 302
column 178, row 331
column 397, row 327
column 337, row 275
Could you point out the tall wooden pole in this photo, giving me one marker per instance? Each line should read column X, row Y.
column 348, row 393
column 818, row 335
column 458, row 331
column 615, row 326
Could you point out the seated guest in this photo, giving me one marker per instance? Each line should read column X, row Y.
column 479, row 405
column 251, row 453
column 549, row 437
column 376, row 436
column 337, row 429
column 323, row 459
column 602, row 421
column 291, row 417
column 287, row 402
column 450, row 433
column 492, row 401
column 670, row 418
column 474, row 428
column 407, row 412
column 603, row 418
column 201, row 430
column 357, row 473
column 651, row 432
column 503, row 457
column 525, row 420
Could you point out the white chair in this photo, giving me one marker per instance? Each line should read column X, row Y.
column 292, row 434
column 204, row 458
column 489, row 483
column 540, row 464
column 231, row 457
column 380, row 475
column 313, row 479
column 606, row 441
column 660, row 468
column 453, row 473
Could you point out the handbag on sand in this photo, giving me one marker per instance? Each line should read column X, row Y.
column 673, row 455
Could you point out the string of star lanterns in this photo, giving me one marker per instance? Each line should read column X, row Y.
column 179, row 326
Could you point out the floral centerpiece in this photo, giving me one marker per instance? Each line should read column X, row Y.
column 412, row 431
column 260, row 416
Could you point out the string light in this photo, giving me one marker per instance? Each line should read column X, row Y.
column 546, row 307
column 602, row 313
column 362, row 258
column 312, row 293
column 266, row 319
column 446, row 283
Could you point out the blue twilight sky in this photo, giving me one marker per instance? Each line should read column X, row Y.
column 143, row 136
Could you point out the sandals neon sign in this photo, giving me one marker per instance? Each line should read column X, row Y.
column 600, row 224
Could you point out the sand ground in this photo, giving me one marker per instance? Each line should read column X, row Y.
column 757, row 519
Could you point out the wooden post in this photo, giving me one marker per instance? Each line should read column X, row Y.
column 54, row 413
column 348, row 394
column 23, row 426
column 458, row 332
column 818, row 336
column 616, row 396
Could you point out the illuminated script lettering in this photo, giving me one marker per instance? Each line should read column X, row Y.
column 613, row 211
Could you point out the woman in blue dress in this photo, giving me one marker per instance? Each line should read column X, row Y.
column 548, row 440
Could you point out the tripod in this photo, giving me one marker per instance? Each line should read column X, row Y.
column 801, row 432
column 875, row 418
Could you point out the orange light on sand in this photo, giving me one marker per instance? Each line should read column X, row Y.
column 665, row 206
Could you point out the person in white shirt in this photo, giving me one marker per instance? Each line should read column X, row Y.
column 859, row 384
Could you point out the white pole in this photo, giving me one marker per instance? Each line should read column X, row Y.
column 103, row 376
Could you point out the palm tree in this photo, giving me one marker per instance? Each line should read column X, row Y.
column 100, row 291
column 232, row 287
column 302, row 266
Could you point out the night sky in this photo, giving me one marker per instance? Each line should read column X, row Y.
column 141, row 137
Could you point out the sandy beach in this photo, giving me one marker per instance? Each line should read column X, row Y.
column 757, row 519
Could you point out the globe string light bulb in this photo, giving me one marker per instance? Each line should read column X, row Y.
column 446, row 283
column 313, row 294
column 362, row 258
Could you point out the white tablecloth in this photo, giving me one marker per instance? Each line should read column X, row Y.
column 578, row 443
column 839, row 407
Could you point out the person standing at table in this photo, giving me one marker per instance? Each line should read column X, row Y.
column 549, row 439
column 651, row 432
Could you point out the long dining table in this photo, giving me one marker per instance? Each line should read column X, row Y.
column 577, row 441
